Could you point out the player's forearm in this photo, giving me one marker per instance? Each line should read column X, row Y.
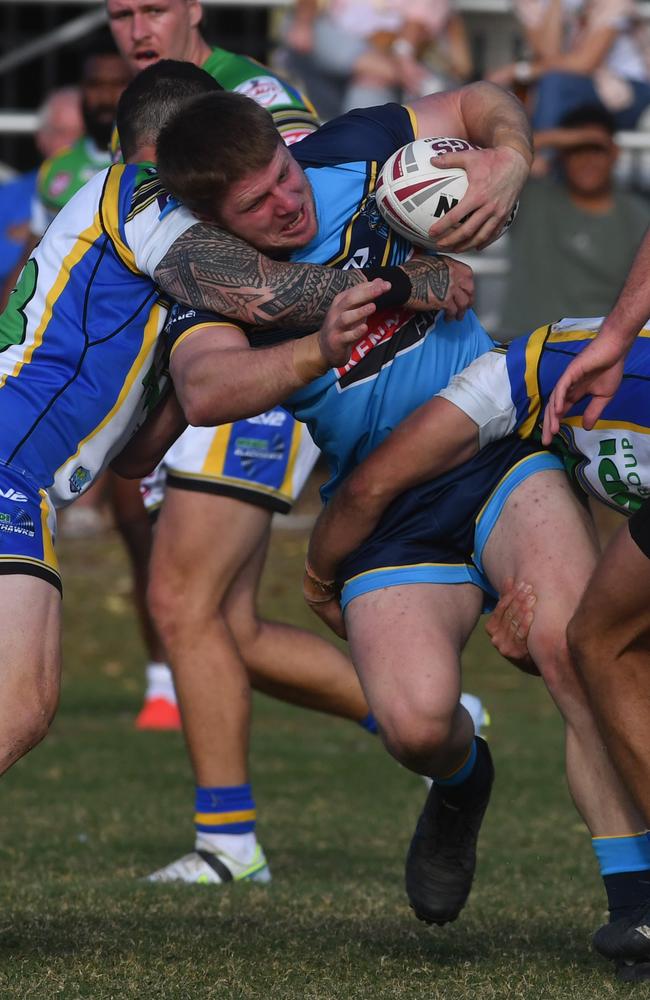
column 148, row 445
column 494, row 117
column 211, row 269
column 346, row 522
column 632, row 308
column 232, row 384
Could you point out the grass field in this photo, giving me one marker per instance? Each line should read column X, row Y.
column 98, row 805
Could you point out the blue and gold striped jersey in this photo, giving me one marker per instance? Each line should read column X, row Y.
column 611, row 461
column 507, row 390
column 81, row 360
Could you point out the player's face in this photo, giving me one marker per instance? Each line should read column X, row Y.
column 148, row 30
column 273, row 208
column 105, row 77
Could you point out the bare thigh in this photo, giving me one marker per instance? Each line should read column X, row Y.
column 546, row 538
column 31, row 663
column 405, row 644
column 201, row 544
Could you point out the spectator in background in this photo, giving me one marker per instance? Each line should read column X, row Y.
column 85, row 153
column 575, row 236
column 59, row 125
column 582, row 52
column 358, row 53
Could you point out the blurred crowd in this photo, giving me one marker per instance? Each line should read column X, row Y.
column 582, row 68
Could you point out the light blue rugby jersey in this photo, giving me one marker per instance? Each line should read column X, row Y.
column 406, row 357
column 81, row 360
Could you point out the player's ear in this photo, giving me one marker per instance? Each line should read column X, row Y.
column 196, row 13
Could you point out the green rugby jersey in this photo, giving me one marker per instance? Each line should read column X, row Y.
column 62, row 176
column 294, row 115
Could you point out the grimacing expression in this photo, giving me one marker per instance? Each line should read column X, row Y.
column 148, row 30
column 273, row 208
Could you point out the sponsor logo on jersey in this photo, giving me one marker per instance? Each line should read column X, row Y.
column 79, row 479
column 254, row 453
column 177, row 316
column 59, row 184
column 389, row 335
column 19, row 524
column 619, row 479
column 265, row 91
column 13, row 495
column 292, row 135
column 272, row 418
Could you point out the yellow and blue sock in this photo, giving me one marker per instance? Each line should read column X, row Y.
column 225, row 819
column 625, row 869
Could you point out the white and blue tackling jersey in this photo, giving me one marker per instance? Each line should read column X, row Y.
column 81, row 360
column 507, row 391
column 406, row 357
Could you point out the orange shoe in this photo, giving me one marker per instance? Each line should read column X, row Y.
column 158, row 713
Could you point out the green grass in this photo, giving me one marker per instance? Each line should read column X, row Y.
column 98, row 805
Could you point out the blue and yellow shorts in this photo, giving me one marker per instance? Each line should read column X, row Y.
column 437, row 532
column 264, row 460
column 27, row 528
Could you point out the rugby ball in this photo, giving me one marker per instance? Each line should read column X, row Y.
column 412, row 193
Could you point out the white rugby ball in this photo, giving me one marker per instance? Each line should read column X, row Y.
column 412, row 193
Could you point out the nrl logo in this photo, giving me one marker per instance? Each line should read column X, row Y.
column 79, row 479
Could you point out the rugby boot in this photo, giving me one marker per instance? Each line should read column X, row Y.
column 442, row 855
column 626, row 939
column 214, row 868
column 632, row 972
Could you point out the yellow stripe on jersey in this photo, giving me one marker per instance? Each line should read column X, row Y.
column 566, row 336
column 201, row 326
column 149, row 337
column 606, row 425
column 109, row 207
column 216, row 457
column 372, row 181
column 414, row 120
column 296, row 437
column 534, row 349
column 49, row 555
column 85, row 242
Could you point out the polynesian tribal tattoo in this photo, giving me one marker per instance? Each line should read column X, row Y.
column 429, row 276
column 211, row 269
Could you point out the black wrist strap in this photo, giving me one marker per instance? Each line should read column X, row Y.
column 400, row 290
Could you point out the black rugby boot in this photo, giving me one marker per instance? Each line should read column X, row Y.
column 442, row 856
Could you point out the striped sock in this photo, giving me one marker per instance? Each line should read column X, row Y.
column 224, row 820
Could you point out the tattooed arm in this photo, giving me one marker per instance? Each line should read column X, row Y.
column 440, row 283
column 209, row 268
